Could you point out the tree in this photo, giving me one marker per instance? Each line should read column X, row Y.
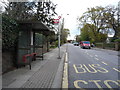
column 42, row 11
column 64, row 35
column 78, row 38
column 112, row 19
column 85, row 33
column 99, row 20
column 89, row 34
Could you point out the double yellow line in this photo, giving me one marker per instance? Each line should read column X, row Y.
column 65, row 73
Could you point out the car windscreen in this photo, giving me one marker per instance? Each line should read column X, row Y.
column 86, row 42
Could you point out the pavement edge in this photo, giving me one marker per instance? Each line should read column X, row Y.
column 57, row 83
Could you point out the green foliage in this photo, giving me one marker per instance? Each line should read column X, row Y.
column 85, row 33
column 117, row 40
column 42, row 11
column 9, row 32
column 88, row 33
column 39, row 39
column 78, row 39
column 100, row 20
column 64, row 35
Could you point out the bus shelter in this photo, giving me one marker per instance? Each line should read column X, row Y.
column 33, row 41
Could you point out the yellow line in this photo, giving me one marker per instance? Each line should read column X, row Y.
column 104, row 63
column 65, row 74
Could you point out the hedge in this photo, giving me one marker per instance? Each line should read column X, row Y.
column 10, row 31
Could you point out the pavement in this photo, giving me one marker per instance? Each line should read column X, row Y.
column 45, row 73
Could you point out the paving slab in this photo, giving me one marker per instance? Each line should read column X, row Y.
column 42, row 74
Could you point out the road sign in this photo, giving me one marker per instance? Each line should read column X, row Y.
column 55, row 21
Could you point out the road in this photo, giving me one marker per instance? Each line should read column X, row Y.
column 92, row 68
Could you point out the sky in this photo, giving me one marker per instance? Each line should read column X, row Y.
column 75, row 8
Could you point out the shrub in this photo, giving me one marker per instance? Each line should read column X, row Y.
column 9, row 33
column 117, row 40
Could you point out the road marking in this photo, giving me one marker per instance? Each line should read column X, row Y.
column 91, row 56
column 87, row 53
column 108, row 81
column 96, row 83
column 96, row 58
column 98, row 66
column 95, row 71
column 104, row 63
column 65, row 73
column 76, row 70
column 93, row 68
column 116, row 70
column 76, row 83
column 96, row 55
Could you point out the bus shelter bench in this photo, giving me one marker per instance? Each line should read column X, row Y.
column 33, row 56
column 27, row 60
column 40, row 56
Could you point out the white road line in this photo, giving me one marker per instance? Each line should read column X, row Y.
column 91, row 56
column 96, row 55
column 116, row 70
column 104, row 63
column 87, row 53
column 96, row 58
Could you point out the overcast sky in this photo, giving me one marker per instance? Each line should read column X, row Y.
column 76, row 8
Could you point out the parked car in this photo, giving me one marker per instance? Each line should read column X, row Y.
column 76, row 44
column 85, row 44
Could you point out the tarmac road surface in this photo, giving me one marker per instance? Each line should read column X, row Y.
column 92, row 68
